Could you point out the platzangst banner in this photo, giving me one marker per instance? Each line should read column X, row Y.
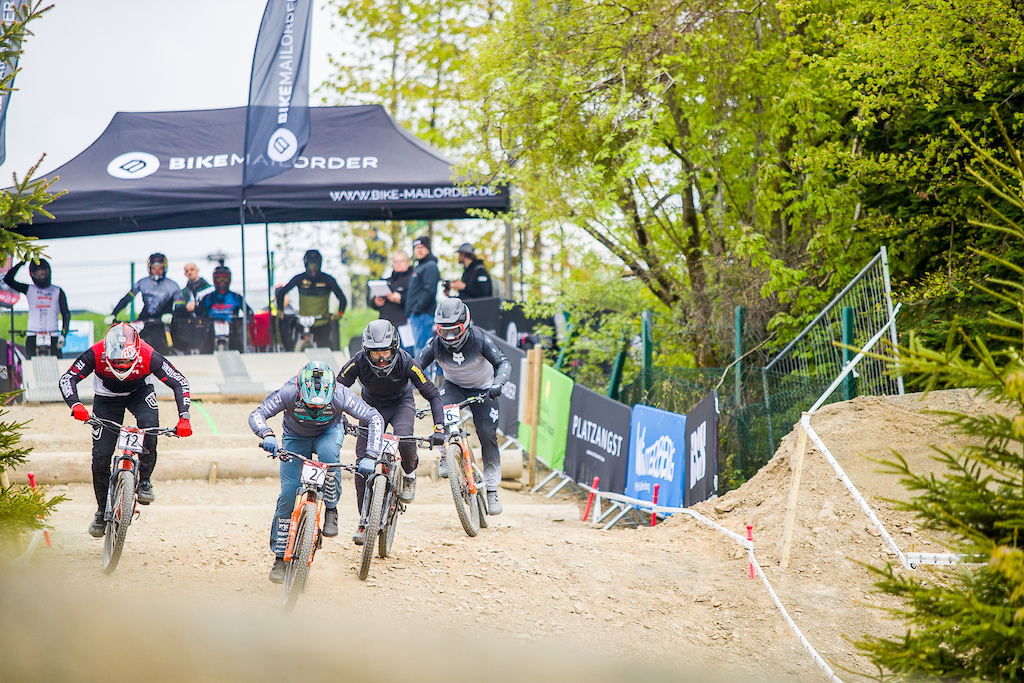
column 160, row 170
column 598, row 440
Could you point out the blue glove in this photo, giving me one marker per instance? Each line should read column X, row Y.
column 366, row 466
column 494, row 391
column 270, row 445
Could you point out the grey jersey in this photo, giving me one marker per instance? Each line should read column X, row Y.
column 298, row 421
column 157, row 297
column 478, row 364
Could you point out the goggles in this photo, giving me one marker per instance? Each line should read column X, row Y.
column 451, row 332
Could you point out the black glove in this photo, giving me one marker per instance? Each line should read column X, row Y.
column 437, row 439
column 494, row 391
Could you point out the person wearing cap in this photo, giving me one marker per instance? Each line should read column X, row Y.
column 475, row 282
column 421, row 297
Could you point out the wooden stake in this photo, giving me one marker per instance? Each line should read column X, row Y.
column 535, row 362
column 797, row 462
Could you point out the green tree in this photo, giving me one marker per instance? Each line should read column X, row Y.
column 969, row 624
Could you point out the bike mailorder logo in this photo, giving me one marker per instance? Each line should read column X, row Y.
column 282, row 145
column 133, row 165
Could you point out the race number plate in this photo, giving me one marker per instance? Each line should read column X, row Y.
column 42, row 340
column 130, row 441
column 311, row 474
column 221, row 328
column 390, row 444
column 452, row 414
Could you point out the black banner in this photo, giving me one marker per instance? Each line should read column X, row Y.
column 701, row 451
column 485, row 313
column 511, row 393
column 598, row 441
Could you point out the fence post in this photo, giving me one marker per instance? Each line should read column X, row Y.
column 534, row 365
column 738, row 354
column 850, row 383
column 646, row 329
column 615, row 381
column 131, row 284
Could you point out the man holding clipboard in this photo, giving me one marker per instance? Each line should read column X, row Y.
column 388, row 297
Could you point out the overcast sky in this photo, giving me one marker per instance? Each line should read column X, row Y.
column 88, row 60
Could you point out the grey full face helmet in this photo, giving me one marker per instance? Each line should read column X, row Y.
column 452, row 323
column 380, row 345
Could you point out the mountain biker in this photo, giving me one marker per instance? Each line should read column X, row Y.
column 159, row 295
column 121, row 365
column 222, row 304
column 421, row 297
column 315, row 289
column 313, row 412
column 387, row 375
column 45, row 301
column 473, row 365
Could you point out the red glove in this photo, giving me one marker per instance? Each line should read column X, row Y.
column 184, row 427
column 79, row 412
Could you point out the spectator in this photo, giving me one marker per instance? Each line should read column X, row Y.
column 421, row 297
column 392, row 307
column 45, row 301
column 159, row 295
column 315, row 289
column 475, row 282
column 186, row 329
column 222, row 304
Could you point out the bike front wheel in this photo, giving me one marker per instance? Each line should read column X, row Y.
column 387, row 534
column 302, row 555
column 122, row 507
column 465, row 503
column 372, row 525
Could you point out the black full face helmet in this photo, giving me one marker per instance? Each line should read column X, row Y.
column 451, row 320
column 157, row 260
column 40, row 273
column 222, row 278
column 313, row 261
column 380, row 345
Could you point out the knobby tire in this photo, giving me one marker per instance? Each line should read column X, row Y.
column 469, row 513
column 372, row 525
column 298, row 569
column 122, row 508
column 387, row 534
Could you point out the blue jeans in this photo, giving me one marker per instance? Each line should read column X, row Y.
column 422, row 328
column 327, row 446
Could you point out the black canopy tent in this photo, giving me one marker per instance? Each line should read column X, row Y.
column 164, row 170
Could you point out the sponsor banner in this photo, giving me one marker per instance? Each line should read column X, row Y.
column 657, row 456
column 598, row 441
column 277, row 124
column 8, row 297
column 553, row 428
column 79, row 338
column 702, row 451
column 7, row 16
column 510, row 398
column 485, row 313
column 398, row 194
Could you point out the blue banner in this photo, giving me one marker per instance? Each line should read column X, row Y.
column 657, row 455
column 277, row 123
column 7, row 15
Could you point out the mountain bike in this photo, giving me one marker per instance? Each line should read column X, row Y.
column 304, row 533
column 122, row 501
column 382, row 497
column 304, row 324
column 464, row 476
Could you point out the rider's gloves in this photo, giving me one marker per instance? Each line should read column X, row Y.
column 60, row 341
column 184, row 427
column 108, row 321
column 166, row 318
column 79, row 412
column 437, row 439
column 270, row 445
column 494, row 391
column 366, row 466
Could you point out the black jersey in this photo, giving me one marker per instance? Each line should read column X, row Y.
column 395, row 386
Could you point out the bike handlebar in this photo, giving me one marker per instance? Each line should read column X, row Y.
column 422, row 412
column 356, row 430
column 103, row 422
column 284, row 455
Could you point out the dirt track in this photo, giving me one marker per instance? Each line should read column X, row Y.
column 539, row 594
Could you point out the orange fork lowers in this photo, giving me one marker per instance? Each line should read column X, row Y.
column 469, row 468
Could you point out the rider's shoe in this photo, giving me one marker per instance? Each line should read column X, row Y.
column 442, row 468
column 359, row 537
column 98, row 526
column 278, row 571
column 408, row 488
column 331, row 522
column 493, row 504
column 145, row 492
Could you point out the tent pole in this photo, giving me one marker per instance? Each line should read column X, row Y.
column 245, row 322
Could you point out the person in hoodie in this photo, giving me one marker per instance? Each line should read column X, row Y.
column 45, row 301
column 421, row 297
column 475, row 282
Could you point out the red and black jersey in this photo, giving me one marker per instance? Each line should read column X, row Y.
column 92, row 361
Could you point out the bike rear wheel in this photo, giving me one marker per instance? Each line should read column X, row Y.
column 465, row 503
column 372, row 525
column 122, row 508
column 302, row 553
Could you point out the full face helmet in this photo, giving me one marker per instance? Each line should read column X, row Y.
column 157, row 266
column 221, row 278
column 40, row 273
column 380, row 344
column 313, row 261
column 122, row 351
column 451, row 320
column 316, row 387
